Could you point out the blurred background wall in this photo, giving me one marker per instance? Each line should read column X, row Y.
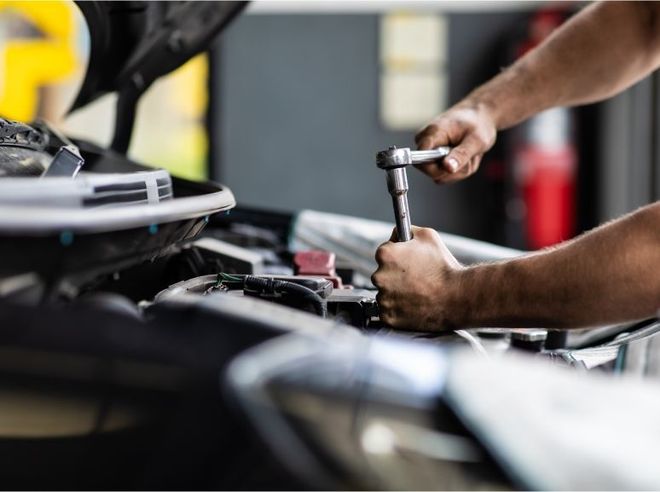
column 299, row 116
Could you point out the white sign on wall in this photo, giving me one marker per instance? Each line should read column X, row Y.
column 413, row 69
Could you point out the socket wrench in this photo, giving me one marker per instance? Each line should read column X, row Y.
column 394, row 162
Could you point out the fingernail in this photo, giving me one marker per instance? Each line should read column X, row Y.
column 452, row 164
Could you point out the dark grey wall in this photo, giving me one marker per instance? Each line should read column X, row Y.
column 629, row 153
column 296, row 107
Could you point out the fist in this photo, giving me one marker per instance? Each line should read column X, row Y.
column 416, row 281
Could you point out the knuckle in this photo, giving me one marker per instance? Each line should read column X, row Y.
column 483, row 139
column 382, row 280
column 425, row 233
column 383, row 254
column 439, row 132
column 461, row 154
column 379, row 256
column 487, row 134
column 426, row 132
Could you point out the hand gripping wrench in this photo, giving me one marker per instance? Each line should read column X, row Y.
column 394, row 162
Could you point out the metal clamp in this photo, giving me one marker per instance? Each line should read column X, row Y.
column 66, row 163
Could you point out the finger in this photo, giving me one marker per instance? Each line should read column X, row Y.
column 384, row 254
column 384, row 302
column 471, row 167
column 432, row 136
column 455, row 160
column 393, row 317
column 476, row 162
column 440, row 175
column 433, row 170
column 424, row 139
column 460, row 156
column 424, row 143
column 375, row 278
column 448, row 178
column 423, row 233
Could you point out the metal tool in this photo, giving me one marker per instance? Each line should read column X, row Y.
column 66, row 163
column 394, row 162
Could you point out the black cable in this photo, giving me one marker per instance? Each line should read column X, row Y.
column 270, row 285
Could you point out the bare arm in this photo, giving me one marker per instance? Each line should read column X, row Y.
column 603, row 49
column 599, row 52
column 608, row 275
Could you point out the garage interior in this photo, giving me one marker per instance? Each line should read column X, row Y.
column 189, row 304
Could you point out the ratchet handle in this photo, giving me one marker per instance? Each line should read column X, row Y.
column 419, row 156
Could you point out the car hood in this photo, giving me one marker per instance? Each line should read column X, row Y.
column 132, row 43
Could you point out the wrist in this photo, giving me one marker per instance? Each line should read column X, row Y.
column 483, row 106
column 509, row 98
column 454, row 296
column 473, row 295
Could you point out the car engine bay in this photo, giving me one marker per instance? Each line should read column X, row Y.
column 156, row 335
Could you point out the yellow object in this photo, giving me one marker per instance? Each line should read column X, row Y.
column 176, row 107
column 28, row 64
column 190, row 91
column 170, row 128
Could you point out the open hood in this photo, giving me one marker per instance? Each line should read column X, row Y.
column 135, row 42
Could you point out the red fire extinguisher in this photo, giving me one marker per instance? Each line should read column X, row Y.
column 545, row 160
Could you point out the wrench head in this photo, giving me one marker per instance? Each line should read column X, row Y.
column 393, row 158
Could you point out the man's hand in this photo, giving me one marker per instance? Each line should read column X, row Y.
column 608, row 275
column 469, row 130
column 416, row 281
column 577, row 64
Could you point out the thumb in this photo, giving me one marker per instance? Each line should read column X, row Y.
column 460, row 156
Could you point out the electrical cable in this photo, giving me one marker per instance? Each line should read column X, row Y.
column 270, row 285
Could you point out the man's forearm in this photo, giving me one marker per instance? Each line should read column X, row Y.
column 599, row 52
column 608, row 275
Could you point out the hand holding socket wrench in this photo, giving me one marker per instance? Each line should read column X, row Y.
column 394, row 162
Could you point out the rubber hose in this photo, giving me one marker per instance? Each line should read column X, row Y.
column 271, row 285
